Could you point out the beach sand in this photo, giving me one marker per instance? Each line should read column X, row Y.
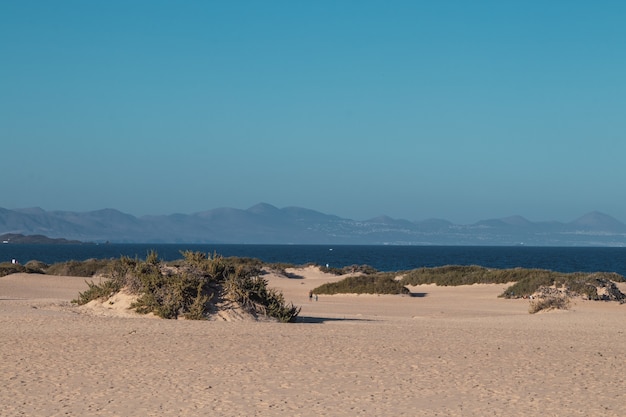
column 446, row 351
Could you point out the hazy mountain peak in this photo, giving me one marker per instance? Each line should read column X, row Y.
column 109, row 214
column 435, row 221
column 381, row 219
column 263, row 208
column 516, row 220
column 108, row 211
column 391, row 222
column 596, row 220
column 31, row 210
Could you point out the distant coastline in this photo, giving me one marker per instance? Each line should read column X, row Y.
column 20, row 239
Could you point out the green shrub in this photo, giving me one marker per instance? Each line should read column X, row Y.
column 187, row 291
column 197, row 308
column 171, row 295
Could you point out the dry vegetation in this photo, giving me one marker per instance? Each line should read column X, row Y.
column 379, row 283
column 527, row 283
column 31, row 267
column 192, row 288
column 549, row 303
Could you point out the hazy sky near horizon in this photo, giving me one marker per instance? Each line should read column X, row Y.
column 414, row 109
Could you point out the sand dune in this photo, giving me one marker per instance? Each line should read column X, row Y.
column 444, row 352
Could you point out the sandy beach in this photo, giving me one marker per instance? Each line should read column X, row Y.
column 444, row 351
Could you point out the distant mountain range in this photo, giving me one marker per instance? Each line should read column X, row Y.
column 266, row 224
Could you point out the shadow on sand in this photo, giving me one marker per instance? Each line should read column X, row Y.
column 291, row 275
column 285, row 274
column 320, row 320
column 417, row 294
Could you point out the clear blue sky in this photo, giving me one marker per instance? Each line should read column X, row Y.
column 415, row 109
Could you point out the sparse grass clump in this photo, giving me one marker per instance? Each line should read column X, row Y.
column 549, row 303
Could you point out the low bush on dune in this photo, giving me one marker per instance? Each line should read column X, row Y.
column 31, row 267
column 380, row 283
column 192, row 287
column 8, row 268
column 446, row 275
column 577, row 284
column 87, row 268
column 452, row 275
column 528, row 285
column 557, row 295
column 352, row 269
column 36, row 267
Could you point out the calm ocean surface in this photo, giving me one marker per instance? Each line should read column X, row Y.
column 383, row 258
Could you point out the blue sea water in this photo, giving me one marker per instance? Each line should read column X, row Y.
column 383, row 258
